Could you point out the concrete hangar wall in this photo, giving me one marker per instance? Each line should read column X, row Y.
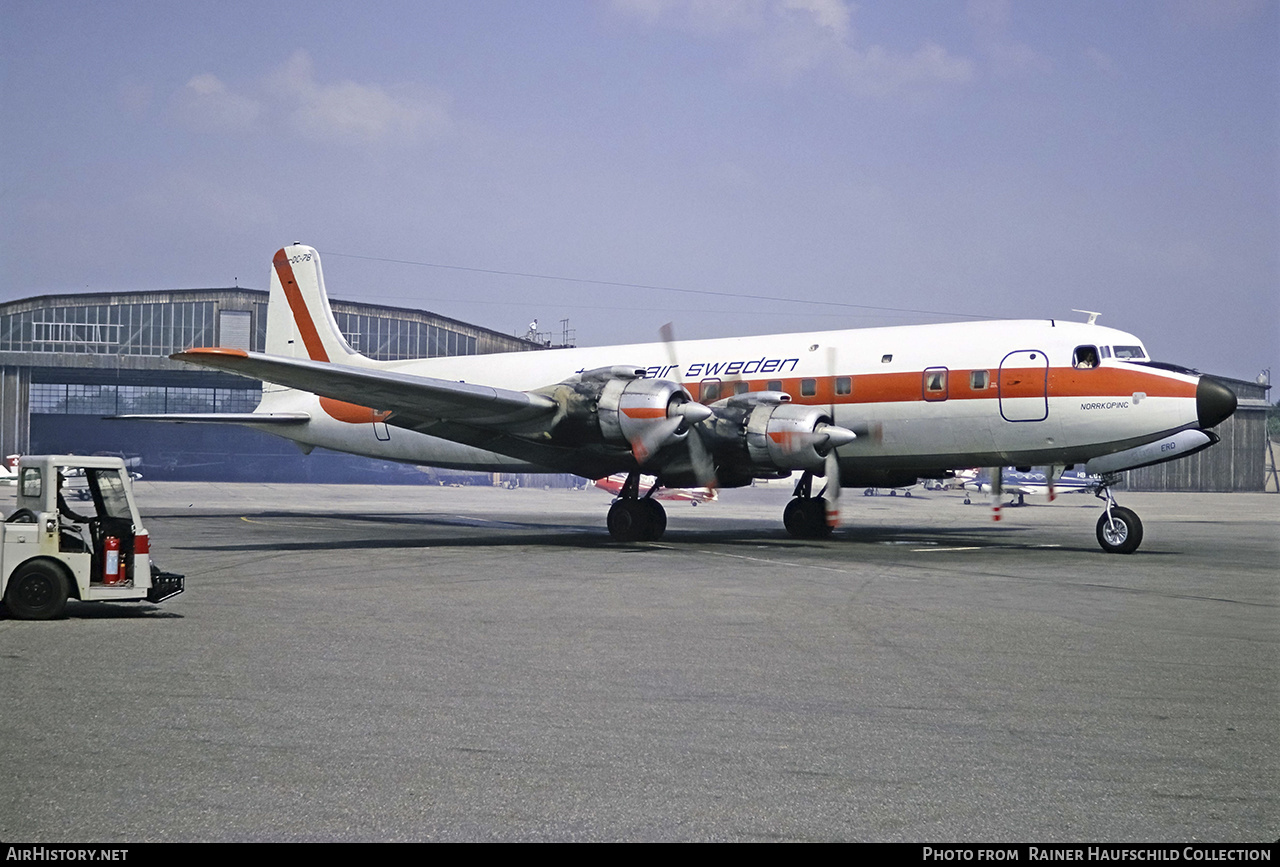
column 68, row 360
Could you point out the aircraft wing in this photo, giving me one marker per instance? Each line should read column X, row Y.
column 419, row 398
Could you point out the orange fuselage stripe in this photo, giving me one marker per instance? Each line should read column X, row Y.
column 1007, row 383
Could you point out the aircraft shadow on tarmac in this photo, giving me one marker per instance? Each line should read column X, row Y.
column 483, row 533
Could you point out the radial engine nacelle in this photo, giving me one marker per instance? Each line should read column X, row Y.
column 792, row 437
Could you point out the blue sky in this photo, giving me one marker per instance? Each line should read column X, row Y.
column 984, row 158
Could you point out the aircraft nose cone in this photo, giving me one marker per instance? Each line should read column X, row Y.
column 1214, row 402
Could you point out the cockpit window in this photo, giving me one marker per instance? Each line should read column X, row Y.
column 1129, row 352
column 1085, row 357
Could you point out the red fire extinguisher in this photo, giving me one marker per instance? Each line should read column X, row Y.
column 111, row 566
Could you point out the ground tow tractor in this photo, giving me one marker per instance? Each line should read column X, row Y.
column 50, row 553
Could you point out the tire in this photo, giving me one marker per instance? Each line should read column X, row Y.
column 816, row 513
column 37, row 591
column 1123, row 535
column 794, row 520
column 655, row 517
column 629, row 521
column 806, row 518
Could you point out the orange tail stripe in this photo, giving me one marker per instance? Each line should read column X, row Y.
column 301, row 316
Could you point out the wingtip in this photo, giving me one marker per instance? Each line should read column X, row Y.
column 205, row 351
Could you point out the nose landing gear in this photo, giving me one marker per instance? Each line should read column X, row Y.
column 1119, row 529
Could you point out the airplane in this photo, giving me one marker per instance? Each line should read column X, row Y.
column 874, row 407
column 615, row 484
column 1036, row 481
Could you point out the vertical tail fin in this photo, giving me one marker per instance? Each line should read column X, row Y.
column 300, row 323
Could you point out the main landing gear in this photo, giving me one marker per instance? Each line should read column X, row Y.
column 633, row 518
column 805, row 517
column 1119, row 530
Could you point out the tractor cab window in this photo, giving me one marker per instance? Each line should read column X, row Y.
column 1085, row 357
column 32, row 482
column 111, row 496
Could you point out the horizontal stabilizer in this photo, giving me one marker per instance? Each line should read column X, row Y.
column 285, row 418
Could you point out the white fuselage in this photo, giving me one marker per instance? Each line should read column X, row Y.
column 944, row 396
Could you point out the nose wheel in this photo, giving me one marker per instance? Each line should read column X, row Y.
column 1119, row 529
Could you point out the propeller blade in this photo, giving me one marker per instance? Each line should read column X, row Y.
column 831, row 469
column 668, row 334
column 997, row 490
column 1053, row 477
column 704, row 469
column 653, row 439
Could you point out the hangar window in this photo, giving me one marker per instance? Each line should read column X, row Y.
column 844, row 385
column 808, row 387
column 979, row 379
column 1085, row 357
column 935, row 383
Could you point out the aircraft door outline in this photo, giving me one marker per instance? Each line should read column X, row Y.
column 1023, row 384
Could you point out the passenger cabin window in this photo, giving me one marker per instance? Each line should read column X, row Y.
column 935, row 383
column 710, row 391
column 844, row 385
column 741, row 387
column 885, row 359
column 1129, row 352
column 1085, row 357
column 808, row 387
column 774, row 385
column 979, row 379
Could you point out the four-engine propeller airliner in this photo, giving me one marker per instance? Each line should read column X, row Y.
column 868, row 407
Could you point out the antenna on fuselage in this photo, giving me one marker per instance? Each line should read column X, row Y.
column 1093, row 317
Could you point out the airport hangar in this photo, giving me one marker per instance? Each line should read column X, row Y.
column 68, row 360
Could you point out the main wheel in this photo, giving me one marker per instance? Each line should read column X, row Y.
column 636, row 520
column 1122, row 534
column 655, row 518
column 37, row 591
column 793, row 519
column 806, row 518
column 816, row 513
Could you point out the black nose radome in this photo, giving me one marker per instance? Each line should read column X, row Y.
column 1214, row 402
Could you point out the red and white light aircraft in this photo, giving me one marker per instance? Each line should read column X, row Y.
column 870, row 407
column 618, row 481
